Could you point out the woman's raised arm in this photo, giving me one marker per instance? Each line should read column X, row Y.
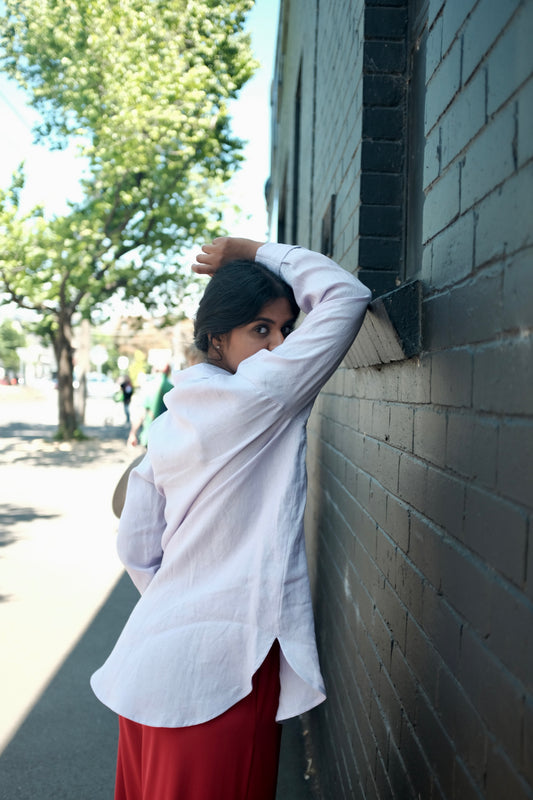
column 222, row 250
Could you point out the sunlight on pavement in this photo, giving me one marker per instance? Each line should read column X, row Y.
column 58, row 562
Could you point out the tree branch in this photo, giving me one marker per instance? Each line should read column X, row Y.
column 19, row 299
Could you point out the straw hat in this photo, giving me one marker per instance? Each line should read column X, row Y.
column 119, row 495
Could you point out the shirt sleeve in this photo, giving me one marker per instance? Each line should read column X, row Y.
column 141, row 527
column 335, row 303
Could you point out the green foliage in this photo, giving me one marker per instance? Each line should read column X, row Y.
column 143, row 88
column 10, row 339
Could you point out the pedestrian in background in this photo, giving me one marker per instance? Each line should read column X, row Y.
column 221, row 647
column 152, row 406
column 126, row 389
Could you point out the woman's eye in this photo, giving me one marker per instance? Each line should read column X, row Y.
column 262, row 329
column 286, row 330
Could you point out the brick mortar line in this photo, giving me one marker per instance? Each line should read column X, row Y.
column 481, row 65
column 492, row 575
column 354, row 683
column 462, row 622
column 378, row 657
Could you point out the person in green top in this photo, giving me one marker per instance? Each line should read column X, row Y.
column 153, row 406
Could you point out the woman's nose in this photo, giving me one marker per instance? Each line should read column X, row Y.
column 276, row 339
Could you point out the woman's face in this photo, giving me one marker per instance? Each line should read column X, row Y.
column 273, row 323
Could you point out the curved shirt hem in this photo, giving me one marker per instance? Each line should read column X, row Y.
column 309, row 696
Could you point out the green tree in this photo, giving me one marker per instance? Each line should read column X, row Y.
column 10, row 339
column 143, row 87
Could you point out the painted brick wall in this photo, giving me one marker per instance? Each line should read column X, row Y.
column 421, row 472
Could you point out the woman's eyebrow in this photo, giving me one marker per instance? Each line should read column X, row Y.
column 263, row 319
column 271, row 321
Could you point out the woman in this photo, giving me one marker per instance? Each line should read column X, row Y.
column 220, row 647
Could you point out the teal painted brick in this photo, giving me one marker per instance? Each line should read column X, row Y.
column 504, row 218
column 438, row 746
column 433, row 48
column 434, row 9
column 443, row 85
column 472, row 446
column 426, row 543
column 517, row 299
column 482, row 30
column 476, row 308
column 489, row 159
column 497, row 367
column 401, row 426
column 527, row 747
column 453, row 253
column 454, row 15
column 430, row 435
column 442, row 203
column 525, row 124
column 444, row 500
column 515, row 462
column 451, row 374
column 502, row 780
column 514, row 50
column 511, row 613
column 432, row 156
column 414, row 381
column 444, row 625
column 436, row 321
column 497, row 531
column 462, row 722
column 464, row 119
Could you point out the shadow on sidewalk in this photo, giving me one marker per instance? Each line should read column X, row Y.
column 34, row 445
column 66, row 747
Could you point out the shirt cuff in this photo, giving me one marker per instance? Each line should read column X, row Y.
column 272, row 255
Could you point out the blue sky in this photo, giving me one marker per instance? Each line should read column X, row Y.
column 52, row 177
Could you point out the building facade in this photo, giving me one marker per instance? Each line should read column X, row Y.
column 403, row 146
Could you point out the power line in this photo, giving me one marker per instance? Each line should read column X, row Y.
column 15, row 111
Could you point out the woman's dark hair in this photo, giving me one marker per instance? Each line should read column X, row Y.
column 234, row 296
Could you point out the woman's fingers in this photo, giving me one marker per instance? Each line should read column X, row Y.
column 211, row 257
column 224, row 249
column 203, row 270
column 205, row 262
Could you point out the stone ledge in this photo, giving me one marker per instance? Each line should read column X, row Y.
column 391, row 330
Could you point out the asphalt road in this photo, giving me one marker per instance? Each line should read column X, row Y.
column 63, row 600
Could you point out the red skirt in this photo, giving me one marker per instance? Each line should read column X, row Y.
column 232, row 757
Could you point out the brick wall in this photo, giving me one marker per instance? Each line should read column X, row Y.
column 420, row 472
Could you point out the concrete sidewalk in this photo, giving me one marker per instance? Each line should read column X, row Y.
column 64, row 598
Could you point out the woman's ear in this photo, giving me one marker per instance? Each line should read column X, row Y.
column 216, row 343
column 216, row 349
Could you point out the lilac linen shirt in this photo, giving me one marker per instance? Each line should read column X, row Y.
column 212, row 528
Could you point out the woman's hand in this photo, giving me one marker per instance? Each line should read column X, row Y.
column 222, row 250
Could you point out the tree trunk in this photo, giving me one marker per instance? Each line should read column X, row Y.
column 62, row 341
column 83, row 366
